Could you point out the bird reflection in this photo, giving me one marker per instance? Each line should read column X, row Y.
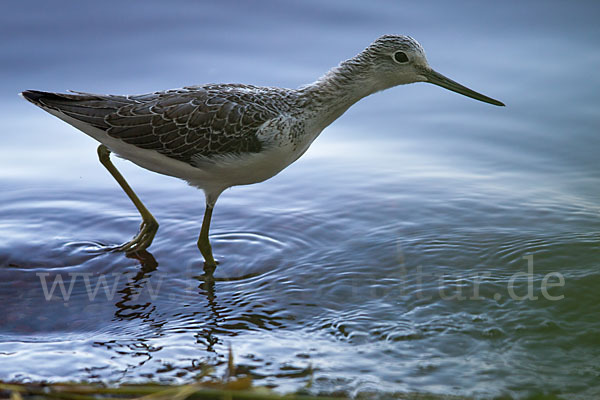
column 206, row 286
column 129, row 309
column 189, row 304
column 134, row 287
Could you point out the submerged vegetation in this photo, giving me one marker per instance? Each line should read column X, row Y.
column 233, row 385
column 234, row 389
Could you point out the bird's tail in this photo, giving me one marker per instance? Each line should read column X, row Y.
column 85, row 107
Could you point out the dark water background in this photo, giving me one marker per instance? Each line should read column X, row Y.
column 392, row 257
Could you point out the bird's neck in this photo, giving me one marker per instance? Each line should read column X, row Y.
column 332, row 94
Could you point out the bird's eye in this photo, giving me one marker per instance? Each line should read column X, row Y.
column 400, row 57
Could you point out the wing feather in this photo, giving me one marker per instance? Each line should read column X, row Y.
column 182, row 124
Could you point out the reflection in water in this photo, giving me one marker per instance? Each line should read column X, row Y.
column 129, row 309
column 380, row 261
column 206, row 287
column 133, row 288
column 206, row 321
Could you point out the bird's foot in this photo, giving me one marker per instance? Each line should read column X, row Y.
column 143, row 239
column 210, row 263
column 209, row 268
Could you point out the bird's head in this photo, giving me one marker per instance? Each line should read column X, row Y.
column 397, row 60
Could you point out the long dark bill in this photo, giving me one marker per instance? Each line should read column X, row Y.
column 438, row 79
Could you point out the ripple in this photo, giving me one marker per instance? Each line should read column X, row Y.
column 252, row 238
column 385, row 290
column 233, row 248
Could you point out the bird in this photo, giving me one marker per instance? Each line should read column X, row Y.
column 215, row 136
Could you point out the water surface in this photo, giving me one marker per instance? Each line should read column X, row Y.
column 426, row 242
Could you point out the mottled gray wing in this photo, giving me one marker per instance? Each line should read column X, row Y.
column 180, row 123
column 184, row 123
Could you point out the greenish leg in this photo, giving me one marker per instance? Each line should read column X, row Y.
column 203, row 242
column 149, row 225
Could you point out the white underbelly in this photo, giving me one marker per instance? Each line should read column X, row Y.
column 213, row 174
column 244, row 169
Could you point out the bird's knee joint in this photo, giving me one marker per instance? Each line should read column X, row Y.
column 103, row 154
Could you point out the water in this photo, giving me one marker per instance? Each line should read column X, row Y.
column 426, row 242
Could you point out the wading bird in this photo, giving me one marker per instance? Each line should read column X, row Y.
column 216, row 136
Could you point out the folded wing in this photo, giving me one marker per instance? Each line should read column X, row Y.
column 196, row 121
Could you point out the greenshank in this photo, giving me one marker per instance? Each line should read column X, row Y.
column 216, row 136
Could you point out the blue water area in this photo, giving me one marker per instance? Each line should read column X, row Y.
column 426, row 242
